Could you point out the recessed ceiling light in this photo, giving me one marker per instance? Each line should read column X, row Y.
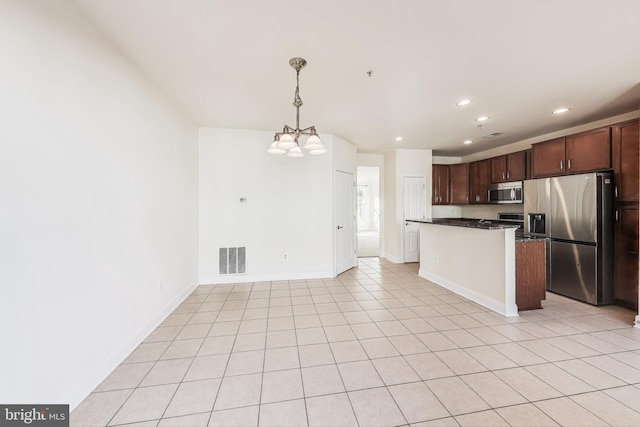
column 463, row 102
column 482, row 119
column 467, row 142
column 398, row 138
column 560, row 110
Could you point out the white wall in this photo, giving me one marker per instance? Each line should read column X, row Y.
column 376, row 160
column 289, row 208
column 398, row 164
column 369, row 176
column 449, row 256
column 390, row 244
column 98, row 182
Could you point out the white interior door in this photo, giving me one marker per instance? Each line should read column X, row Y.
column 345, row 188
column 415, row 196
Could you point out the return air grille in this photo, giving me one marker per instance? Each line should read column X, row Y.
column 233, row 260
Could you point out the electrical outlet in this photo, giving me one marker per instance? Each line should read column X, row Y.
column 284, row 257
column 437, row 259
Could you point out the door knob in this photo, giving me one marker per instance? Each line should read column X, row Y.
column 339, row 227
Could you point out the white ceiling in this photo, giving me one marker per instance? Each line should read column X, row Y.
column 225, row 63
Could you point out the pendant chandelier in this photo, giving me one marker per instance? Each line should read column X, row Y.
column 287, row 141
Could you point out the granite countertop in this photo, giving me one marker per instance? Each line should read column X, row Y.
column 481, row 224
column 526, row 239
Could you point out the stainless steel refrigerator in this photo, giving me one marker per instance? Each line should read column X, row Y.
column 575, row 213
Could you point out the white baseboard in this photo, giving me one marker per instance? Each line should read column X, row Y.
column 636, row 324
column 248, row 278
column 111, row 361
column 507, row 310
column 393, row 259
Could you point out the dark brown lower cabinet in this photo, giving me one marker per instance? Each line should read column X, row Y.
column 625, row 289
column 531, row 276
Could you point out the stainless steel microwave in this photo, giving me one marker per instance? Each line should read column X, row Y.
column 506, row 192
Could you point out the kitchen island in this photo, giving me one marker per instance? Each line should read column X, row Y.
column 473, row 258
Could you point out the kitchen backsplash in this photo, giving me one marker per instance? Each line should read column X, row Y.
column 474, row 211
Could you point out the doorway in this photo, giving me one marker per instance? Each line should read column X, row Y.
column 345, row 224
column 368, row 211
column 415, row 194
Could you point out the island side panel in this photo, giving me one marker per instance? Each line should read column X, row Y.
column 474, row 263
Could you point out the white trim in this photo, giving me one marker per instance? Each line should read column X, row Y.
column 393, row 259
column 506, row 310
column 276, row 277
column 88, row 383
column 636, row 324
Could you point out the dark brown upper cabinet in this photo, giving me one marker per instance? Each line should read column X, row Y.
column 582, row 152
column 479, row 182
column 459, row 183
column 624, row 146
column 440, row 185
column 507, row 168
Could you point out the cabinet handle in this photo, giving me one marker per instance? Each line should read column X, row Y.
column 615, row 191
column 502, row 175
column 569, row 164
column 617, row 216
column 561, row 165
column 507, row 174
column 467, row 199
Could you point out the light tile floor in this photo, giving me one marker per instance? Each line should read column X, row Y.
column 376, row 346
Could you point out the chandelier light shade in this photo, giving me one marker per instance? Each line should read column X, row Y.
column 287, row 141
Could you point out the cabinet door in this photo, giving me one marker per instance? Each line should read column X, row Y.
column 625, row 140
column 479, row 182
column 548, row 158
column 435, row 184
column 531, row 277
column 459, row 183
column 516, row 166
column 498, row 169
column 479, row 176
column 589, row 151
column 625, row 286
column 473, row 183
column 440, row 180
column 483, row 181
column 444, row 184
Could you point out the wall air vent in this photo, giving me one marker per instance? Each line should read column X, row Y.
column 232, row 260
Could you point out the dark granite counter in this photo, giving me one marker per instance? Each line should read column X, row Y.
column 481, row 224
column 525, row 239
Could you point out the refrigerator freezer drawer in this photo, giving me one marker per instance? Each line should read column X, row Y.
column 574, row 271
